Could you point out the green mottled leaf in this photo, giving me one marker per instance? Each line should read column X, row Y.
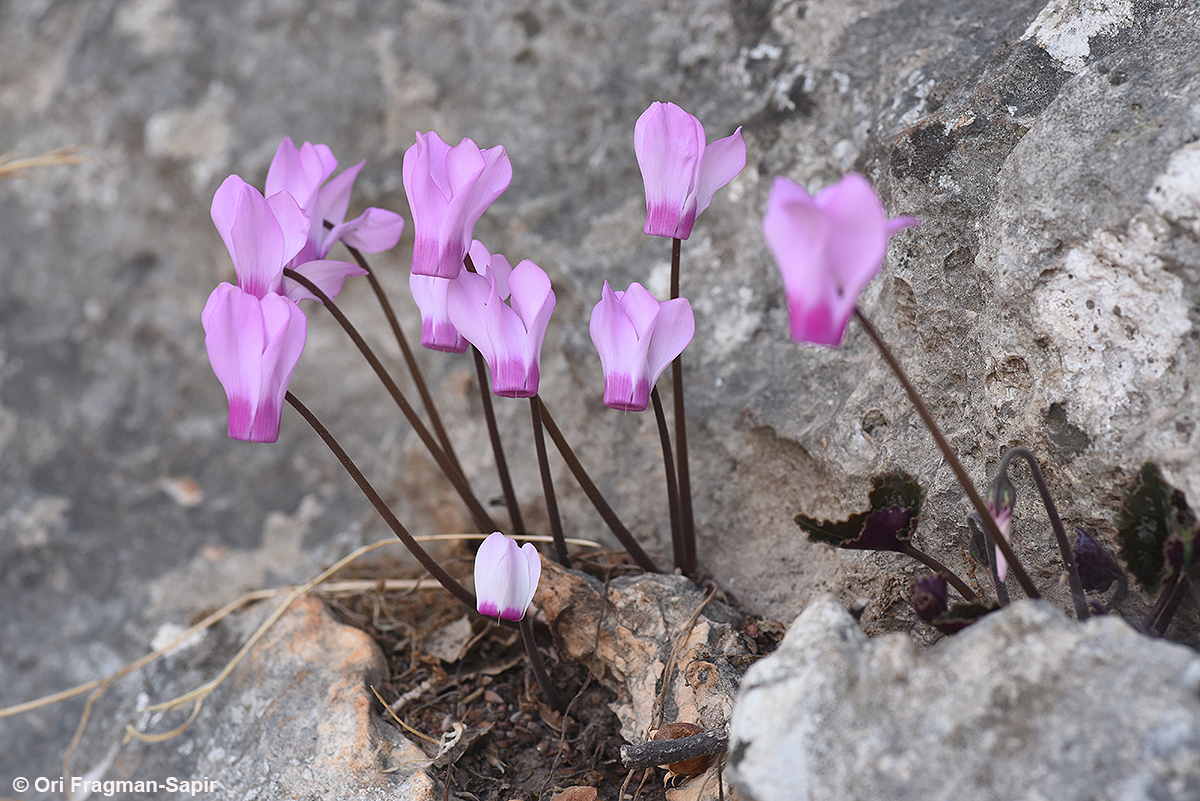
column 889, row 523
column 1151, row 512
column 959, row 616
column 896, row 488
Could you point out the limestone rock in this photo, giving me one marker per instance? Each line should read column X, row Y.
column 1024, row 704
column 293, row 720
column 1049, row 299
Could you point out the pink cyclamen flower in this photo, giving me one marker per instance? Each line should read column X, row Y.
column 264, row 235
column 1002, row 497
column 449, row 189
column 506, row 577
column 680, row 171
column 429, row 292
column 637, row 337
column 253, row 344
column 302, row 172
column 828, row 248
column 510, row 337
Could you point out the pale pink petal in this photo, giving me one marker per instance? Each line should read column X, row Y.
column 293, row 222
column 257, row 244
column 235, row 339
column 437, row 332
column 828, row 248
column 668, row 143
column 253, row 346
column 640, row 306
column 673, row 330
column 532, row 299
column 327, row 274
column 857, row 238
column 467, row 299
column 373, row 231
column 622, row 353
column 286, row 329
column 299, row 171
column 722, row 161
column 333, row 199
column 224, row 208
column 506, row 577
column 493, row 265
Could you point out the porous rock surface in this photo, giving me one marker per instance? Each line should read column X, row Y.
column 1049, row 299
column 294, row 719
column 1024, row 704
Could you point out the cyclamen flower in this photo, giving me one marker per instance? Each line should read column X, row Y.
column 264, row 235
column 637, row 337
column 510, row 337
column 302, row 172
column 254, row 344
column 1002, row 497
column 828, row 248
column 680, row 172
column 429, row 292
column 449, row 189
column 506, row 577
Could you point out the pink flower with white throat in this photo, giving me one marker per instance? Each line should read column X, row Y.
column 449, row 189
column 637, row 336
column 506, row 577
column 508, row 335
column 680, row 171
column 828, row 248
column 253, row 345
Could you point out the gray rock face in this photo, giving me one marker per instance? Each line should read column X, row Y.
column 1049, row 299
column 1024, row 704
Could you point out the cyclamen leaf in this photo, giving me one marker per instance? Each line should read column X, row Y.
column 887, row 526
column 1151, row 512
column 959, row 616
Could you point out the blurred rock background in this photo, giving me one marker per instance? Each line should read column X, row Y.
column 1050, row 299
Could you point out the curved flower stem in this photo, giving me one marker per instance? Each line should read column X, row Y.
column 435, row 419
column 539, row 668
column 937, row 567
column 1060, row 533
column 687, row 519
column 482, row 518
column 485, row 397
column 506, row 485
column 539, row 441
column 1172, row 604
column 428, row 562
column 960, row 472
column 1153, row 621
column 585, row 482
column 664, row 436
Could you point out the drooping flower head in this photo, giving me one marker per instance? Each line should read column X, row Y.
column 506, row 577
column 828, row 249
column 264, row 235
column 429, row 292
column 1002, row 497
column 449, row 189
column 509, row 335
column 637, row 337
column 302, row 172
column 253, row 344
column 680, row 171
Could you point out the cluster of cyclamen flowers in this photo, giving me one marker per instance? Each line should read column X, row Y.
column 828, row 248
column 255, row 331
